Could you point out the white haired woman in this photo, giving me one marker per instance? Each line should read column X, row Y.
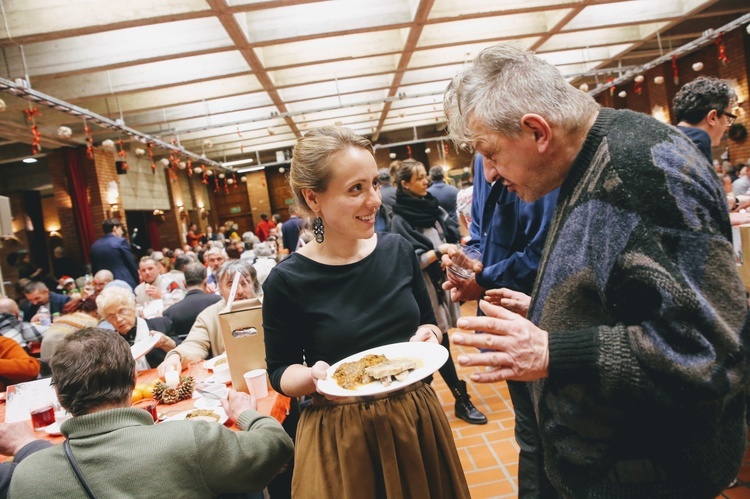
column 117, row 306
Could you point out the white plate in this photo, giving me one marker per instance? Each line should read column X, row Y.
column 53, row 429
column 181, row 416
column 431, row 355
column 143, row 347
column 209, row 364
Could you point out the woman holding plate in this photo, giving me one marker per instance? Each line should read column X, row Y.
column 347, row 291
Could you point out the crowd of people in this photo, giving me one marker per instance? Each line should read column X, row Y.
column 608, row 300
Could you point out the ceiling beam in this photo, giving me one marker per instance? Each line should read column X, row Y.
column 420, row 18
column 237, row 34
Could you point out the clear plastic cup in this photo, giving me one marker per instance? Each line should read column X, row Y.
column 463, row 261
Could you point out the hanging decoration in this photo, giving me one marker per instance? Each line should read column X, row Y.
column 638, row 86
column 64, row 132
column 446, row 149
column 584, row 87
column 204, row 180
column 698, row 66
column 139, row 152
column 36, row 142
column 121, row 152
column 226, row 186
column 675, row 70
column 198, row 170
column 722, row 51
column 89, row 140
column 408, row 151
column 108, row 144
column 234, row 180
column 150, row 147
column 612, row 88
column 190, row 167
column 658, row 80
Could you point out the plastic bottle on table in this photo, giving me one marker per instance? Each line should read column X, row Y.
column 45, row 319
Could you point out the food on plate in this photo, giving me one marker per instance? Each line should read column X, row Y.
column 220, row 361
column 349, row 374
column 370, row 368
column 386, row 371
column 203, row 415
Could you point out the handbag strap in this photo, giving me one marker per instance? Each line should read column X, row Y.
column 77, row 470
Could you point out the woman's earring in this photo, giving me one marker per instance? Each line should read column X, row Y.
column 318, row 229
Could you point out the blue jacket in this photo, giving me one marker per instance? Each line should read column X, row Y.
column 56, row 304
column 446, row 196
column 510, row 234
column 113, row 253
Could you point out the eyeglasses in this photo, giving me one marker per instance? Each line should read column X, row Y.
column 122, row 313
column 731, row 118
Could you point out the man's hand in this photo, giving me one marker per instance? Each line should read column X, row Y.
column 171, row 362
column 519, row 349
column 13, row 436
column 153, row 291
column 463, row 289
column 515, row 301
column 238, row 402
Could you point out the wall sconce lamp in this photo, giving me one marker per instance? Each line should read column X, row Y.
column 158, row 215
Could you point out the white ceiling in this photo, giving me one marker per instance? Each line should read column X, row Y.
column 252, row 75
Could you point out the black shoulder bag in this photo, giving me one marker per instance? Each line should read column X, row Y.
column 77, row 470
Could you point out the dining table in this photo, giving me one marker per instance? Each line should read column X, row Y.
column 275, row 404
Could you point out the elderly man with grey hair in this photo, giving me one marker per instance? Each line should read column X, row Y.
column 204, row 339
column 635, row 334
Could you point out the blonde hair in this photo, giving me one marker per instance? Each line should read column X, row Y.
column 311, row 159
column 114, row 296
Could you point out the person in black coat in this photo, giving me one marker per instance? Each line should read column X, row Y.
column 184, row 312
column 112, row 252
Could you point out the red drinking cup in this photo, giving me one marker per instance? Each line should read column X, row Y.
column 148, row 405
column 42, row 417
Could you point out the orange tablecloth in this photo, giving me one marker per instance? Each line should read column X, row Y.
column 275, row 405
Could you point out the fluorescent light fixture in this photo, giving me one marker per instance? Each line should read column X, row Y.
column 251, row 169
column 238, row 162
column 29, row 160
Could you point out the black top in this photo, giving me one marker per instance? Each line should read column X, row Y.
column 184, row 312
column 700, row 138
column 313, row 311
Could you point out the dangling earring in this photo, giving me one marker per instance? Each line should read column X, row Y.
column 318, row 229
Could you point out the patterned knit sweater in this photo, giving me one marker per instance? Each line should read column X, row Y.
column 646, row 317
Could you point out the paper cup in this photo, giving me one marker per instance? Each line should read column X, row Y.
column 222, row 374
column 257, row 383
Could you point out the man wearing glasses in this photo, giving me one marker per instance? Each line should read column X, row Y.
column 703, row 111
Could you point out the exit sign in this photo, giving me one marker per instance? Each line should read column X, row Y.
column 235, row 209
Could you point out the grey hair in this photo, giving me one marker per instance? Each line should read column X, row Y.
column 262, row 249
column 114, row 296
column 229, row 268
column 505, row 83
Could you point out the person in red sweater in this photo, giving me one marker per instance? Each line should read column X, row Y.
column 264, row 227
column 16, row 365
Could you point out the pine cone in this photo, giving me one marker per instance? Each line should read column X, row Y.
column 159, row 388
column 170, row 396
column 185, row 389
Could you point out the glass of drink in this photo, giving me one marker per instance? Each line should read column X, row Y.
column 41, row 417
column 463, row 261
column 148, row 405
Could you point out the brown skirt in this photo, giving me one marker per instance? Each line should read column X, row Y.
column 400, row 447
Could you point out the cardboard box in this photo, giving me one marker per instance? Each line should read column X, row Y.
column 242, row 330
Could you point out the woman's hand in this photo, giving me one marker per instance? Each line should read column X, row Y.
column 425, row 334
column 318, row 372
column 164, row 342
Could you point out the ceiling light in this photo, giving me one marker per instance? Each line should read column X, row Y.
column 251, row 169
column 238, row 162
column 29, row 160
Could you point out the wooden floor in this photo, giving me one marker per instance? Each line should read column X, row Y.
column 489, row 453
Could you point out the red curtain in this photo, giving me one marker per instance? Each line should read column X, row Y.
column 153, row 232
column 79, row 196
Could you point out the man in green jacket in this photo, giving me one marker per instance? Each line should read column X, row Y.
column 121, row 453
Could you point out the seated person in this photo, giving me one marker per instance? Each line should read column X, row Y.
column 77, row 314
column 38, row 295
column 16, row 366
column 18, row 441
column 117, row 306
column 121, row 453
column 184, row 313
column 101, row 279
column 205, row 337
column 11, row 326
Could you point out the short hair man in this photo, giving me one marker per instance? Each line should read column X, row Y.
column 635, row 334
column 703, row 111
column 112, row 252
column 152, row 287
column 445, row 194
column 93, row 373
column 214, row 258
column 38, row 295
column 101, row 279
column 387, row 189
column 183, row 313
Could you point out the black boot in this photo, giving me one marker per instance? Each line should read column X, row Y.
column 464, row 408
